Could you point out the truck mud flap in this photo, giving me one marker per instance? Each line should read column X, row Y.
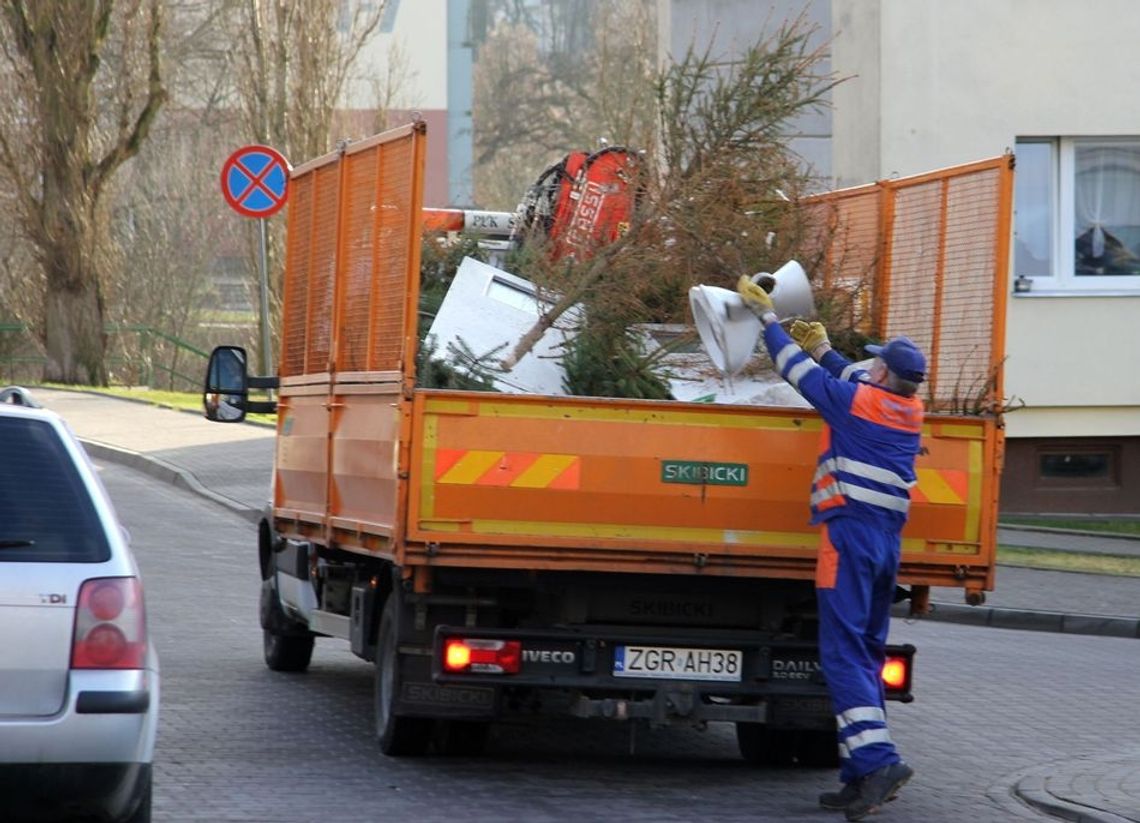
column 422, row 696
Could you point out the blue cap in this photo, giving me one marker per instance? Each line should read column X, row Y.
column 902, row 357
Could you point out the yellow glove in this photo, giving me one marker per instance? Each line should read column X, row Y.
column 809, row 336
column 753, row 296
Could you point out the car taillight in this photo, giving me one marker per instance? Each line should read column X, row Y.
column 110, row 625
column 895, row 672
column 467, row 654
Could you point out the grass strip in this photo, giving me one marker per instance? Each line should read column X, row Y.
column 1114, row 525
column 1108, row 564
column 182, row 401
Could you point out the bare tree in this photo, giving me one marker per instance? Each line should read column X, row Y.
column 180, row 273
column 554, row 77
column 291, row 64
column 82, row 87
column 721, row 192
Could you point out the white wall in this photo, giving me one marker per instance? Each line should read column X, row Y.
column 961, row 79
column 730, row 27
column 1074, row 353
column 941, row 82
column 419, row 32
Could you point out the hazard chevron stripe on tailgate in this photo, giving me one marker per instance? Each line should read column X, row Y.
column 520, row 470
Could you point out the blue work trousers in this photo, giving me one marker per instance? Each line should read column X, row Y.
column 855, row 583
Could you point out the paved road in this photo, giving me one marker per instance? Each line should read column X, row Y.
column 240, row 743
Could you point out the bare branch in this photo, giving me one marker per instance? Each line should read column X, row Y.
column 131, row 137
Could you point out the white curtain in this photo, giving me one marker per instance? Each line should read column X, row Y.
column 1107, row 193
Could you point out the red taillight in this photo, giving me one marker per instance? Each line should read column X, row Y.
column 895, row 672
column 106, row 602
column 467, row 654
column 110, row 625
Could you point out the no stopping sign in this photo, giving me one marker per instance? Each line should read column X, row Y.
column 255, row 181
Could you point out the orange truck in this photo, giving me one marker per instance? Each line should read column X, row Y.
column 502, row 555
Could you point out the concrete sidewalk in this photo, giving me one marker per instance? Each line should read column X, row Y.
column 232, row 465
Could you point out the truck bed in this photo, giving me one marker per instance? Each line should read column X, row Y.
column 591, row 484
column 520, row 481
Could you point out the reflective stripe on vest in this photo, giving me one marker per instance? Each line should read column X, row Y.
column 822, row 498
column 861, row 469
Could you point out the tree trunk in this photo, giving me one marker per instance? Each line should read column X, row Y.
column 74, row 339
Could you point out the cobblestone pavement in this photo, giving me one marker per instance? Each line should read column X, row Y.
column 996, row 712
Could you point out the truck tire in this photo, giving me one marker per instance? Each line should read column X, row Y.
column 765, row 746
column 398, row 736
column 287, row 653
column 462, row 738
column 286, row 646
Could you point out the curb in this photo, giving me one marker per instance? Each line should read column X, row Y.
column 1031, row 787
column 1031, row 790
column 161, row 470
column 1041, row 621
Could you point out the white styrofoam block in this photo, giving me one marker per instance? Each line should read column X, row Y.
column 486, row 307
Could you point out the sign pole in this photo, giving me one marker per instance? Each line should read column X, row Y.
column 266, row 359
column 255, row 182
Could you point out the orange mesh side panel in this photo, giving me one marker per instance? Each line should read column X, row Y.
column 310, row 270
column 393, row 218
column 913, row 265
column 940, row 282
column 844, row 231
column 296, row 280
column 966, row 319
column 359, row 239
column 322, row 277
column 375, row 256
column 924, row 251
column 855, row 247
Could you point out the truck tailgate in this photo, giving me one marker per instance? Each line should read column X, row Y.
column 521, row 481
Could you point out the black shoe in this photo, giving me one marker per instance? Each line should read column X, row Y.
column 877, row 788
column 840, row 800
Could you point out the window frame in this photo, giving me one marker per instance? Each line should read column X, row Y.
column 1110, row 480
column 1062, row 223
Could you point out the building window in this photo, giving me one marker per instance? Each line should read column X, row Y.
column 1085, row 467
column 1077, row 224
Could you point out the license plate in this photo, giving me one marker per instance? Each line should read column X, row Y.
column 670, row 663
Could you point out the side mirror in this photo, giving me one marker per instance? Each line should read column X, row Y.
column 226, row 392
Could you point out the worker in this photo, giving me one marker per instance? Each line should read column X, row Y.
column 860, row 494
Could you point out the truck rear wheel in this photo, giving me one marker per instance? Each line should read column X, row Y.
column 398, row 736
column 287, row 653
column 286, row 646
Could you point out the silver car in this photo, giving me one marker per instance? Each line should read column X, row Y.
column 79, row 683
